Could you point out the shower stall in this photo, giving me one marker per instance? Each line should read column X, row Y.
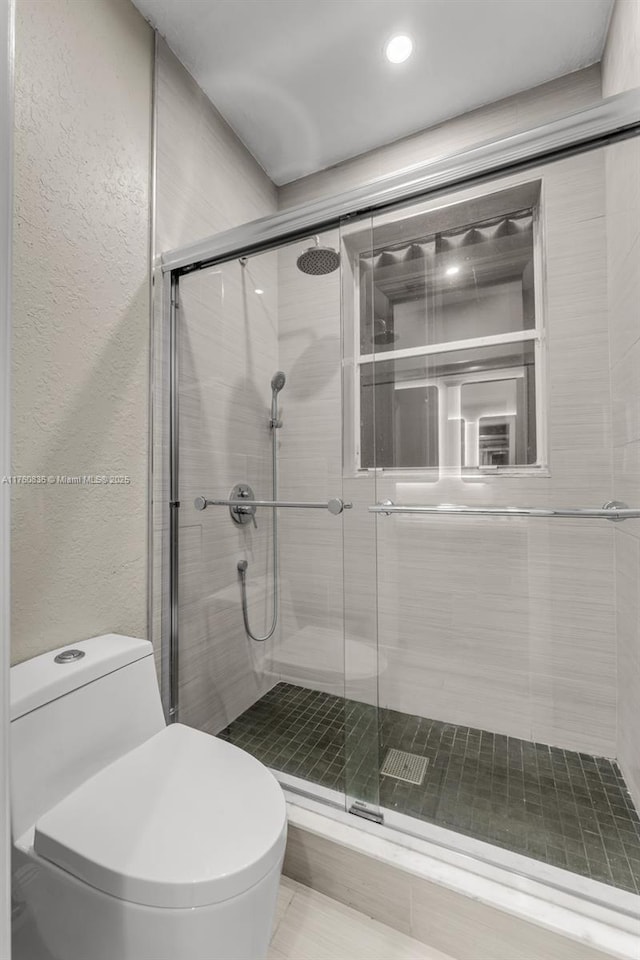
column 391, row 528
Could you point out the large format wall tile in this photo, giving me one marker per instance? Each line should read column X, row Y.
column 621, row 71
column 227, row 356
column 228, row 352
column 485, row 622
column 350, row 877
column 459, row 923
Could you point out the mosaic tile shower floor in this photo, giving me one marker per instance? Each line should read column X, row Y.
column 565, row 808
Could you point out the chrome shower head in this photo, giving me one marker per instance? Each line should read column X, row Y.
column 318, row 260
column 278, row 381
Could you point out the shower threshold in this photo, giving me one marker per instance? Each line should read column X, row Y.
column 563, row 808
column 457, row 879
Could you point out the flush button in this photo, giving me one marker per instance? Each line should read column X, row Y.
column 69, row 656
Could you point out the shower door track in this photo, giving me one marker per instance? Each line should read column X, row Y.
column 610, row 120
column 614, row 118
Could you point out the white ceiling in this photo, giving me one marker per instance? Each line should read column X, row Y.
column 305, row 84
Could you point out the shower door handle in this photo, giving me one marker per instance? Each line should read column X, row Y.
column 334, row 506
column 613, row 510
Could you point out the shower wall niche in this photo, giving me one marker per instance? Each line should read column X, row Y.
column 449, row 319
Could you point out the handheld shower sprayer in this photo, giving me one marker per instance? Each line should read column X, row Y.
column 278, row 381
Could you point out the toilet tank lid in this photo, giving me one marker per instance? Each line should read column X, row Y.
column 40, row 680
column 184, row 820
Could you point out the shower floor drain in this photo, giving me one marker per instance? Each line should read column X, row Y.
column 404, row 766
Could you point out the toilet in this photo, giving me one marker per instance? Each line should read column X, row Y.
column 133, row 840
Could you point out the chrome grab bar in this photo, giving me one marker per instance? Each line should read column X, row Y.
column 612, row 510
column 334, row 506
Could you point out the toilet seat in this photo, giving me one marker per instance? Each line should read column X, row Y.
column 184, row 820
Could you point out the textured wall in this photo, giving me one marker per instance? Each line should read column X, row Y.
column 6, row 146
column 621, row 71
column 208, row 182
column 81, row 319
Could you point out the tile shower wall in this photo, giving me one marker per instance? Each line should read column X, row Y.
column 482, row 623
column 311, row 642
column 621, row 71
column 208, row 182
column 327, row 569
column 228, row 353
column 504, row 627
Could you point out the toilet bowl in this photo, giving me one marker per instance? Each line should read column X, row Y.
column 133, row 840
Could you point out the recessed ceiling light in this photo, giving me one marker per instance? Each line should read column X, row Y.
column 399, row 49
column 258, row 291
column 451, row 271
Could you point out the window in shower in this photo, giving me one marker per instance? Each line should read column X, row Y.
column 448, row 339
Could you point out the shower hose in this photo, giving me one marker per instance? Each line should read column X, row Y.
column 243, row 564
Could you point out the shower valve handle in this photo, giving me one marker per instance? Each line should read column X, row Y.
column 244, row 491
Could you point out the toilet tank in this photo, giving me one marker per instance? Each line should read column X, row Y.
column 74, row 715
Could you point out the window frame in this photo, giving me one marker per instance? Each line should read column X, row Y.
column 537, row 335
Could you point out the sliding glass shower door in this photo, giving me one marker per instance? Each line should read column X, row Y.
column 260, row 531
column 226, row 356
column 478, row 426
column 398, row 582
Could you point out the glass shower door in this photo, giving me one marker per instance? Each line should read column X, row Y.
column 308, row 655
column 361, row 661
column 259, row 357
column 450, row 369
column 484, row 331
column 227, row 354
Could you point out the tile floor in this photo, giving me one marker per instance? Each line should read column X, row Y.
column 310, row 926
column 559, row 806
